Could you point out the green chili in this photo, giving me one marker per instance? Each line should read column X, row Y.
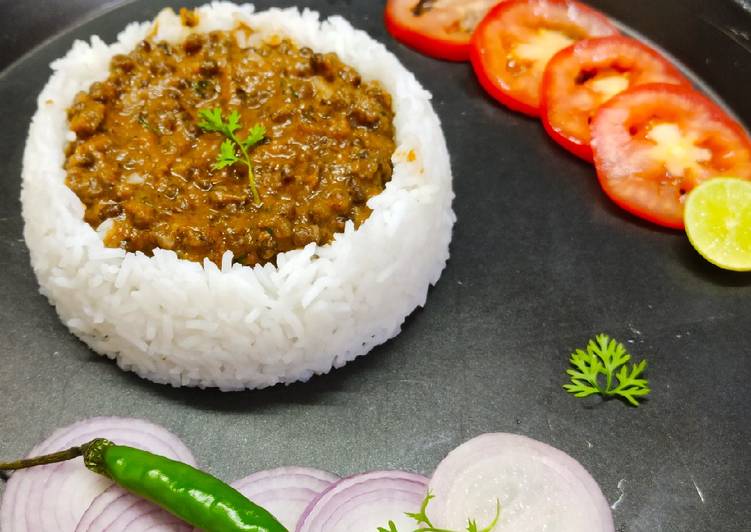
column 192, row 495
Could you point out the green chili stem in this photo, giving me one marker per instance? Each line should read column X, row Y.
column 91, row 452
column 60, row 456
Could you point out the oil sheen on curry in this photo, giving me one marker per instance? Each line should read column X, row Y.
column 141, row 160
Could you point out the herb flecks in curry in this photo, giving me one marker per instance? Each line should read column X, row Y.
column 142, row 160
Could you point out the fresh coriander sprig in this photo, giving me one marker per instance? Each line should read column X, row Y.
column 424, row 524
column 212, row 120
column 603, row 357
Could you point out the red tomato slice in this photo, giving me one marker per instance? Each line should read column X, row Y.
column 580, row 78
column 438, row 28
column 514, row 42
column 653, row 143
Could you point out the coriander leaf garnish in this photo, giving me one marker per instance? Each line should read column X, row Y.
column 603, row 357
column 424, row 524
column 227, row 156
column 213, row 121
column 421, row 517
column 255, row 135
column 145, row 123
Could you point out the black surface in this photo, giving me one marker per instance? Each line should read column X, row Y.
column 25, row 24
column 540, row 261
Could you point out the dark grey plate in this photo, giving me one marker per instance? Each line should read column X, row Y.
column 541, row 261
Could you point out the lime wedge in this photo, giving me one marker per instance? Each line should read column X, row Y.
column 718, row 222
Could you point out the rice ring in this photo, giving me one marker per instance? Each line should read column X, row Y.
column 188, row 324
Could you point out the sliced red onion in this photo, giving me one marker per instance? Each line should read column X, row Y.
column 285, row 492
column 148, row 518
column 54, row 497
column 365, row 502
column 539, row 488
column 116, row 510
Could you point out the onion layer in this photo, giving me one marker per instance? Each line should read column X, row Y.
column 538, row 486
column 365, row 502
column 116, row 510
column 285, row 492
column 53, row 498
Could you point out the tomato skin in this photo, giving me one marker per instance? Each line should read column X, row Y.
column 489, row 55
column 618, row 55
column 494, row 90
column 445, row 49
column 435, row 42
column 573, row 145
column 639, row 183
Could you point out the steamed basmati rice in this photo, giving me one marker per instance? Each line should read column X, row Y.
column 231, row 326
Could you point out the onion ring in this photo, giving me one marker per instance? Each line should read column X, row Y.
column 53, row 498
column 538, row 487
column 365, row 502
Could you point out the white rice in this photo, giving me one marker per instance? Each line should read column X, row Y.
column 189, row 324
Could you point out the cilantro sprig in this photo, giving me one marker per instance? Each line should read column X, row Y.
column 601, row 361
column 424, row 524
column 212, row 120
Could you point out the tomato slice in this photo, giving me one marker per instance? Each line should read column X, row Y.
column 653, row 143
column 514, row 42
column 580, row 78
column 438, row 28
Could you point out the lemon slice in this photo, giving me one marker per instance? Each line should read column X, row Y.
column 718, row 222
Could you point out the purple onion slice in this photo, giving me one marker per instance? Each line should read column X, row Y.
column 365, row 502
column 53, row 498
column 116, row 510
column 285, row 492
column 538, row 486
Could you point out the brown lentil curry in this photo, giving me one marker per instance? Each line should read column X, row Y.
column 140, row 158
